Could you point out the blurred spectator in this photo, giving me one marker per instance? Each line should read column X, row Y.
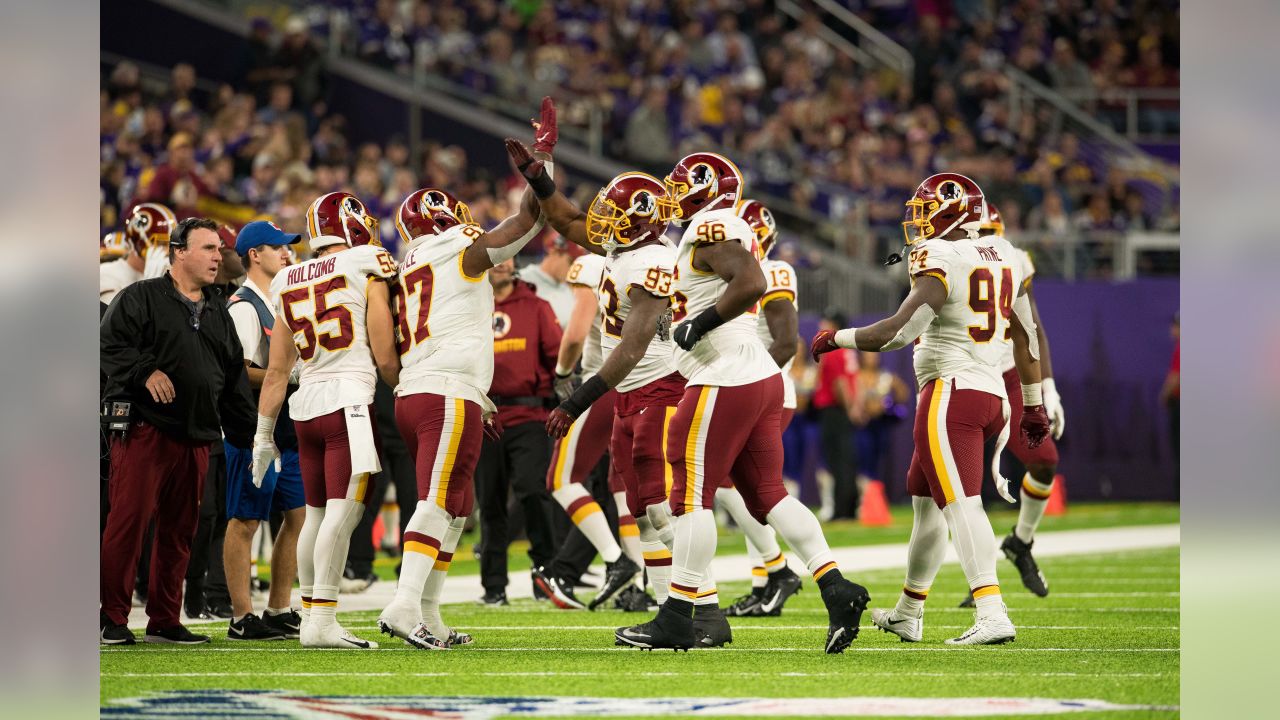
column 835, row 402
column 1068, row 74
column 883, row 398
column 177, row 183
column 648, row 137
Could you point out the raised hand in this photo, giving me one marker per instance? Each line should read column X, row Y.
column 823, row 343
column 545, row 130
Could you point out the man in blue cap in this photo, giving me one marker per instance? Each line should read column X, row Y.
column 264, row 249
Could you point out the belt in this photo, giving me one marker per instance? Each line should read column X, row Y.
column 525, row 400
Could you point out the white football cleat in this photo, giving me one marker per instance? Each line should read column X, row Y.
column 990, row 630
column 910, row 629
column 332, row 636
column 400, row 620
column 423, row 639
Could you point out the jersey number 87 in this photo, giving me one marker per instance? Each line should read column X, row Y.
column 422, row 282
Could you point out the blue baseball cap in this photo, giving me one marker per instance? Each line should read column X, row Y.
column 263, row 232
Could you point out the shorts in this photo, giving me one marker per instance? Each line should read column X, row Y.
column 1047, row 452
column 639, row 438
column 280, row 492
column 444, row 436
column 580, row 450
column 722, row 432
column 951, row 428
column 787, row 415
column 324, row 451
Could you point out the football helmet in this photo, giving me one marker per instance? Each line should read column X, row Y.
column 430, row 212
column 761, row 222
column 634, row 206
column 943, row 203
column 703, row 181
column 113, row 246
column 993, row 223
column 148, row 226
column 341, row 215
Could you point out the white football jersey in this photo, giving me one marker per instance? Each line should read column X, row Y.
column 323, row 301
column 115, row 276
column 650, row 268
column 444, row 319
column 731, row 354
column 1023, row 258
column 157, row 262
column 971, row 335
column 781, row 279
column 588, row 271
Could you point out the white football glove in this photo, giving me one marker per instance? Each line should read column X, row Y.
column 1053, row 408
column 265, row 455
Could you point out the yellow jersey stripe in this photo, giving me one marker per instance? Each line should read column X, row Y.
column 935, row 445
column 451, row 454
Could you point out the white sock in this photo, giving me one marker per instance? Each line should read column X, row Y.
column 1031, row 503
column 332, row 542
column 695, row 534
column 423, row 540
column 628, row 533
column 707, row 593
column 307, row 557
column 657, row 559
column 975, row 545
column 925, row 553
column 586, row 514
column 435, row 581
column 803, row 533
column 762, row 541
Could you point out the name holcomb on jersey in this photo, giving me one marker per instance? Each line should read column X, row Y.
column 972, row 333
column 444, row 319
column 652, row 269
column 731, row 354
column 588, row 271
column 323, row 301
column 781, row 280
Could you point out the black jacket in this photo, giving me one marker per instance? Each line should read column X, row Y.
column 148, row 327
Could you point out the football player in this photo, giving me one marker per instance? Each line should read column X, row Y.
column 1040, row 462
column 113, row 246
column 967, row 306
column 444, row 311
column 333, row 312
column 625, row 222
column 729, row 421
column 148, row 227
column 576, row 454
column 777, row 326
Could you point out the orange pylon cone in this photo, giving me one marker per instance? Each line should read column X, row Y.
column 1057, row 504
column 875, row 507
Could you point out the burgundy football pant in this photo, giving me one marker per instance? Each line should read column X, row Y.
column 152, row 475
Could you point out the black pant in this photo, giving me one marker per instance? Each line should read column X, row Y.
column 205, row 570
column 397, row 469
column 518, row 464
column 577, row 552
column 838, row 453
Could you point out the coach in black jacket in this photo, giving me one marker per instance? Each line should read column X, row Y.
column 169, row 349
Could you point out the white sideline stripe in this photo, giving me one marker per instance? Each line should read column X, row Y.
column 1122, row 541
column 856, row 649
column 737, row 627
column 647, row 674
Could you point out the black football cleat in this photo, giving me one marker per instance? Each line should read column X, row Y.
column 633, row 599
column 845, row 601
column 618, row 575
column 251, row 627
column 710, row 627
column 666, row 631
column 289, row 623
column 1019, row 553
column 746, row 605
column 538, row 593
column 782, row 584
column 967, row 602
column 494, row 598
column 175, row 635
column 558, row 590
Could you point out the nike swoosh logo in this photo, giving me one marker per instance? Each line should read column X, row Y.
column 895, row 622
column 771, row 603
column 237, row 631
column 358, row 643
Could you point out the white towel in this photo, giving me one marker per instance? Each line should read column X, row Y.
column 1002, row 483
column 364, row 451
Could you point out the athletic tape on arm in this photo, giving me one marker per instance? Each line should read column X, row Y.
column 914, row 328
column 1022, row 309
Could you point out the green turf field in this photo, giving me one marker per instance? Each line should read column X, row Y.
column 1109, row 631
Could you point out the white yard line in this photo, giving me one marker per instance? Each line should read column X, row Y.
column 610, row 673
column 852, row 560
column 397, row 647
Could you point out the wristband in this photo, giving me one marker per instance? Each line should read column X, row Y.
column 584, row 396
column 1031, row 395
column 542, row 184
column 266, row 428
column 845, row 338
column 707, row 320
column 562, row 372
